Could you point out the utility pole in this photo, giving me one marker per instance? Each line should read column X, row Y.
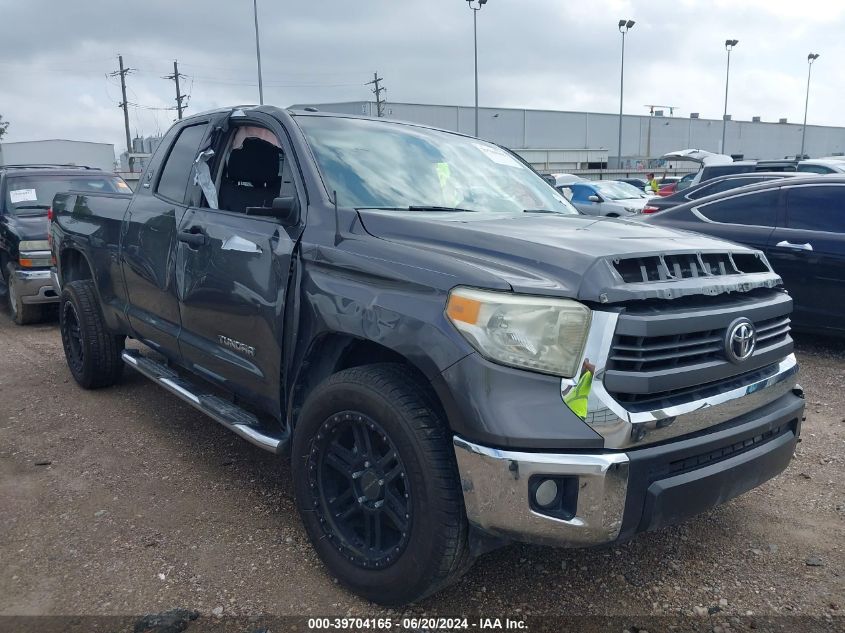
column 729, row 46
column 624, row 26
column 179, row 96
column 475, row 10
column 258, row 54
column 125, row 105
column 377, row 90
column 810, row 59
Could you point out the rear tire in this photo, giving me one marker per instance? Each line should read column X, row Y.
column 21, row 313
column 377, row 485
column 92, row 352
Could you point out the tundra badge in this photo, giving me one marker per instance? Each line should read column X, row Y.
column 231, row 343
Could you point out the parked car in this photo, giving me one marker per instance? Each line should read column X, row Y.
column 446, row 372
column 715, row 165
column 822, row 166
column 684, row 182
column 799, row 223
column 565, row 179
column 667, row 190
column 639, row 183
column 709, row 187
column 26, row 192
column 606, row 197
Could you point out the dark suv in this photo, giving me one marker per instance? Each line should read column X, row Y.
column 26, row 192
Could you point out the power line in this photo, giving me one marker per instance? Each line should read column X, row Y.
column 377, row 90
column 147, row 107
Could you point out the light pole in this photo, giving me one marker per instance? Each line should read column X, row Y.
column 258, row 54
column 624, row 27
column 729, row 45
column 476, row 5
column 810, row 59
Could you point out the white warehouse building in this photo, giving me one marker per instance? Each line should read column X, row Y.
column 58, row 151
column 583, row 140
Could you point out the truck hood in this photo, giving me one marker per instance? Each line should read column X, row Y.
column 563, row 255
column 32, row 227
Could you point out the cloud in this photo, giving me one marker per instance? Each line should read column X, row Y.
column 553, row 54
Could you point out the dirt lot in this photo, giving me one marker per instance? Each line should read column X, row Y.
column 127, row 501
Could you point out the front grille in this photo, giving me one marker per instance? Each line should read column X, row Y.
column 668, row 353
column 687, row 266
column 664, row 353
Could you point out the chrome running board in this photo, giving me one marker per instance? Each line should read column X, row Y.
column 233, row 417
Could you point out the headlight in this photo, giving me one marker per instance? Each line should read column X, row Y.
column 33, row 245
column 537, row 333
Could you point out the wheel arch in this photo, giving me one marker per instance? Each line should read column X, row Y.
column 334, row 352
column 73, row 265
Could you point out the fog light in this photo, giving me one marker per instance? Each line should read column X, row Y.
column 546, row 493
column 554, row 495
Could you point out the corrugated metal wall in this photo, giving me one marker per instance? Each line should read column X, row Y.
column 642, row 136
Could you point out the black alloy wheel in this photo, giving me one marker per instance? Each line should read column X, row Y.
column 72, row 338
column 377, row 485
column 360, row 490
column 91, row 349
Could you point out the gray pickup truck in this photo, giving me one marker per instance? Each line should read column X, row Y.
column 451, row 356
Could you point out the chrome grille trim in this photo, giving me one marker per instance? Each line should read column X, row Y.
column 622, row 427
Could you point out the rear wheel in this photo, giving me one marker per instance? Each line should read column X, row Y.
column 21, row 313
column 377, row 485
column 92, row 352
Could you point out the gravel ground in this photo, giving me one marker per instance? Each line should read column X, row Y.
column 127, row 501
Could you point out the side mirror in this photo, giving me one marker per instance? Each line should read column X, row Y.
column 286, row 210
column 594, row 198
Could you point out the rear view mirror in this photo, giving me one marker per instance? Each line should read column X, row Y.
column 286, row 210
column 594, row 198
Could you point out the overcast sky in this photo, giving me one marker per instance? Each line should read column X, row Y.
column 555, row 54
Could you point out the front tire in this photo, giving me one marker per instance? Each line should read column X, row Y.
column 21, row 313
column 92, row 352
column 377, row 485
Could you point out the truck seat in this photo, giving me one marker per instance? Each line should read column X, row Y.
column 252, row 176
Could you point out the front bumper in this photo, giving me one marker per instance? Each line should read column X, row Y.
column 613, row 495
column 34, row 286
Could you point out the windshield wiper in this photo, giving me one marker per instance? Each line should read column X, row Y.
column 427, row 207
column 32, row 206
column 544, row 211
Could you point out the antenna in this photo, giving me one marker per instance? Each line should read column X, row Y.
column 652, row 106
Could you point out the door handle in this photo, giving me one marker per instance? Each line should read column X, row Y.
column 192, row 237
column 797, row 247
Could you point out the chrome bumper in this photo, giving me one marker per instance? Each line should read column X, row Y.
column 496, row 494
column 35, row 286
column 54, row 277
column 622, row 429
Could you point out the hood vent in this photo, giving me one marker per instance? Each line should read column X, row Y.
column 687, row 266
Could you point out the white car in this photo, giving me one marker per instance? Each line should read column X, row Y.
column 606, row 198
column 832, row 165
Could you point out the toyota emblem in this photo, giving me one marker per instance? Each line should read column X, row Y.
column 740, row 340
